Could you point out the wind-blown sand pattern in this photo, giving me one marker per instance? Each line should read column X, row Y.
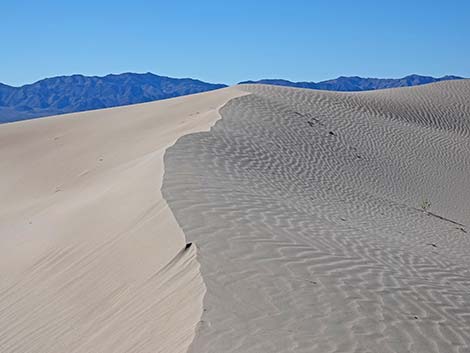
column 91, row 258
column 305, row 208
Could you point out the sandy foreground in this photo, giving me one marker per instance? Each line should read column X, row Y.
column 304, row 209
column 91, row 257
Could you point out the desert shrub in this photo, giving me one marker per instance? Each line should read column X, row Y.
column 425, row 205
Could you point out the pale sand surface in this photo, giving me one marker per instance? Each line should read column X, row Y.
column 305, row 207
column 91, row 258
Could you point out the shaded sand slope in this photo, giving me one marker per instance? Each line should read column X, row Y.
column 305, row 207
column 91, row 257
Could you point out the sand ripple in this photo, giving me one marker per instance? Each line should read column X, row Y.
column 305, row 208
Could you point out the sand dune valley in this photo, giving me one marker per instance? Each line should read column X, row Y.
column 253, row 218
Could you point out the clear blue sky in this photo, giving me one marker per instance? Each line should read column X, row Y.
column 231, row 41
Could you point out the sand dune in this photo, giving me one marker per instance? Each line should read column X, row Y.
column 91, row 258
column 303, row 208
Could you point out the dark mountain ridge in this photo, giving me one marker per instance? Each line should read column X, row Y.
column 68, row 94
column 356, row 83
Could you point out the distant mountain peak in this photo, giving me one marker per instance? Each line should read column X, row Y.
column 356, row 83
column 67, row 94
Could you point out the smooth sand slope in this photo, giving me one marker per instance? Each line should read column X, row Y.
column 305, row 207
column 91, row 258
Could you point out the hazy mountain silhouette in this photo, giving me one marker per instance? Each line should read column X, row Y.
column 356, row 83
column 66, row 94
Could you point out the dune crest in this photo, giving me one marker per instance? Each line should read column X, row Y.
column 91, row 257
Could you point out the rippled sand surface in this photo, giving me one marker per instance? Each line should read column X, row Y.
column 306, row 210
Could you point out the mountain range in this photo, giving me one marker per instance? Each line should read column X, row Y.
column 67, row 94
column 356, row 83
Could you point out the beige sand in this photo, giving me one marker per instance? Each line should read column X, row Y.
column 305, row 206
column 91, row 258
